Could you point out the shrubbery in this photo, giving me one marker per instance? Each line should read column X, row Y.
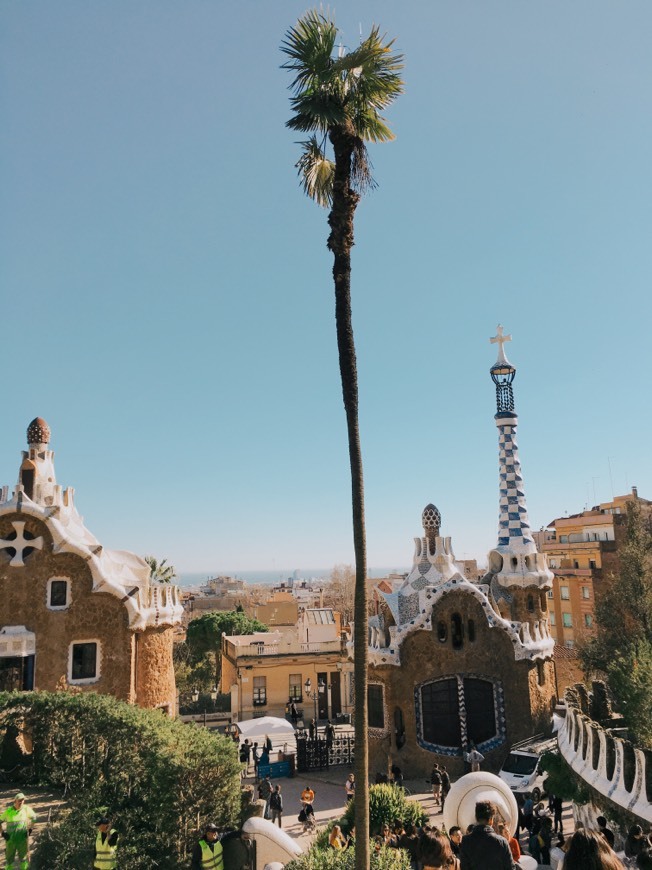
column 326, row 858
column 158, row 778
column 388, row 804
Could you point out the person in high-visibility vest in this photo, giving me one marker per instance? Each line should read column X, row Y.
column 18, row 819
column 208, row 853
column 106, row 845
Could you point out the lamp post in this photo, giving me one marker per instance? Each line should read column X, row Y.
column 315, row 693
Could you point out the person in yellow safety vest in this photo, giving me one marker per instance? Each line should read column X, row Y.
column 106, row 845
column 18, row 819
column 207, row 854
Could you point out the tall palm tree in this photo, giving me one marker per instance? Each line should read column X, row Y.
column 161, row 571
column 337, row 97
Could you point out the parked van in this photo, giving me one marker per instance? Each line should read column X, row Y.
column 521, row 769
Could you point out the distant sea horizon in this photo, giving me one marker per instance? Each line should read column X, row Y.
column 270, row 578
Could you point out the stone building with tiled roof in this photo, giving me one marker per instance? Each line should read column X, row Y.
column 456, row 663
column 73, row 612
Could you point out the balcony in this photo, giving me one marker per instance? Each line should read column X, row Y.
column 255, row 649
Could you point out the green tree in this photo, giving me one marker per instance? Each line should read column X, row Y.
column 622, row 645
column 204, row 635
column 161, row 571
column 337, row 97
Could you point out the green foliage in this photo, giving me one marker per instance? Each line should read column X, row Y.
column 630, row 674
column 388, row 804
column 622, row 645
column 204, row 636
column 326, row 858
column 336, row 91
column 561, row 780
column 161, row 571
column 157, row 777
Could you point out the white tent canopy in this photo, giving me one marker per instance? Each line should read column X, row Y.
column 273, row 726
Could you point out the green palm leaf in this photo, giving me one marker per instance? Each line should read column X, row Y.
column 316, row 172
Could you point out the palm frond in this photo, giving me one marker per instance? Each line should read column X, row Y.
column 361, row 178
column 310, row 45
column 316, row 172
column 322, row 109
column 371, row 127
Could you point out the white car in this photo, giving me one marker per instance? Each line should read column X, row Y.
column 521, row 769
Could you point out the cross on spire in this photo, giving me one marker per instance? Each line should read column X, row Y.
column 20, row 543
column 500, row 340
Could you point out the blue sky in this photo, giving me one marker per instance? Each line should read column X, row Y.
column 167, row 294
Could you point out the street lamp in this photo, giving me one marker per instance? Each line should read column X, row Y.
column 315, row 693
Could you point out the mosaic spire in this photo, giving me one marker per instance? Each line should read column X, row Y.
column 514, row 533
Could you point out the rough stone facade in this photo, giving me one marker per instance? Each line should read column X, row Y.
column 71, row 612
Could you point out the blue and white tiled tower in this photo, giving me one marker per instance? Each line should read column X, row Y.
column 515, row 561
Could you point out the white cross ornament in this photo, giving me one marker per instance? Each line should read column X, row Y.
column 20, row 543
column 500, row 340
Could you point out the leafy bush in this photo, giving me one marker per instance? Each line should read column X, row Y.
column 561, row 780
column 388, row 804
column 319, row 858
column 157, row 777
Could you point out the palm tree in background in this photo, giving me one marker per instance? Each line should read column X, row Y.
column 337, row 97
column 161, row 571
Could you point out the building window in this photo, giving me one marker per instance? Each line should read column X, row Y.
column 551, row 593
column 260, row 691
column 295, row 688
column 471, row 630
column 588, row 620
column 375, row 706
column 567, row 620
column 442, row 631
column 586, row 592
column 564, row 592
column 530, row 604
column 457, row 631
column 447, row 703
column 552, row 618
column 563, row 539
column 83, row 666
column 58, row 592
column 592, row 564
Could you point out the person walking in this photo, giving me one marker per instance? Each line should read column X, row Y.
column 255, row 752
column 265, row 790
column 18, row 819
column 483, row 849
column 294, row 714
column 557, row 807
column 435, row 779
column 312, row 730
column 445, row 783
column 208, row 853
column 329, row 733
column 276, row 805
column 349, row 787
column 106, row 845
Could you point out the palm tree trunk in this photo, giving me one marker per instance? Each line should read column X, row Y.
column 340, row 242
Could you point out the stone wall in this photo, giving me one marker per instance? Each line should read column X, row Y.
column 613, row 767
column 525, row 688
column 155, row 683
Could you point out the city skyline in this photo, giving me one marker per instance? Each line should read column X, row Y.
column 168, row 294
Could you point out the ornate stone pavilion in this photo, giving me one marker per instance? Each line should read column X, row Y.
column 453, row 662
column 71, row 611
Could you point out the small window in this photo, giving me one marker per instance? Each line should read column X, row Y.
column 375, row 707
column 567, row 620
column 565, row 593
column 530, row 604
column 471, row 630
column 442, row 631
column 541, row 673
column 551, row 593
column 457, row 631
column 563, row 539
column 576, row 564
column 552, row 618
column 260, row 691
column 592, row 564
column 58, row 593
column 295, row 688
column 84, row 662
column 586, row 592
column 588, row 620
